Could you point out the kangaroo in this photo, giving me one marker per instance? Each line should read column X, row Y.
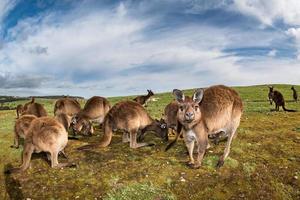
column 33, row 108
column 21, row 128
column 295, row 94
column 218, row 108
column 67, row 106
column 173, row 125
column 278, row 99
column 94, row 110
column 131, row 118
column 271, row 89
column 19, row 110
column 45, row 134
column 143, row 99
column 64, row 119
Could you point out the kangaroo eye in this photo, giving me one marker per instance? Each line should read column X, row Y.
column 196, row 108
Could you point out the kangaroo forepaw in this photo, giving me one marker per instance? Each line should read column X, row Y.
column 220, row 163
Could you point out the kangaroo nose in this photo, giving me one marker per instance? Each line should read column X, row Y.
column 189, row 115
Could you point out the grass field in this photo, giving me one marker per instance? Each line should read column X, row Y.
column 264, row 162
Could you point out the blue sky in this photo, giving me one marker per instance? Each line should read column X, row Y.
column 112, row 48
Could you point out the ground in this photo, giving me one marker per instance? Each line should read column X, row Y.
column 264, row 162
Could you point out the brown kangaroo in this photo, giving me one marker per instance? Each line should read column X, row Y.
column 33, row 108
column 19, row 110
column 94, row 110
column 143, row 99
column 64, row 119
column 21, row 128
column 278, row 99
column 295, row 94
column 173, row 124
column 218, row 108
column 67, row 106
column 45, row 134
column 131, row 118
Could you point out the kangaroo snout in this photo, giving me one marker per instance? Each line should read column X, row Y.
column 189, row 116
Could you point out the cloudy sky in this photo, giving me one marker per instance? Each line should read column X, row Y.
column 112, row 48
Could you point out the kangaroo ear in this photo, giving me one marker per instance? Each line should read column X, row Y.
column 179, row 96
column 198, row 95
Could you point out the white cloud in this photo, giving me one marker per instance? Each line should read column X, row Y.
column 5, row 7
column 120, row 54
column 267, row 11
column 272, row 53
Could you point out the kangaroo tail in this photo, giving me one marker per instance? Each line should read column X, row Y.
column 288, row 110
column 106, row 139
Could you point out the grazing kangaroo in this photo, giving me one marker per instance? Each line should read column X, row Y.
column 131, row 118
column 19, row 110
column 67, row 106
column 278, row 99
column 45, row 134
column 94, row 110
column 32, row 108
column 21, row 128
column 218, row 108
column 143, row 99
column 295, row 94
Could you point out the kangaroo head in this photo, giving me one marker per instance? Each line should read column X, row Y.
column 26, row 105
column 150, row 93
column 81, row 125
column 189, row 112
column 161, row 129
column 292, row 88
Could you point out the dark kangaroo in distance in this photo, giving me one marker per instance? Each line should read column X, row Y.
column 295, row 94
column 271, row 88
column 143, row 99
column 94, row 110
column 278, row 99
column 131, row 118
column 19, row 110
column 33, row 108
column 210, row 111
column 45, row 134
column 21, row 128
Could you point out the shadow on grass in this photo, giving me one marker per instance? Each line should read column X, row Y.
column 12, row 185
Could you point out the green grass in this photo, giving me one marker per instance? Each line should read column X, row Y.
column 264, row 162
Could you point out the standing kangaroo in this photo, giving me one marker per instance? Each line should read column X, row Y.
column 45, row 134
column 173, row 124
column 295, row 94
column 132, row 118
column 21, row 128
column 94, row 110
column 278, row 99
column 270, row 94
column 33, row 108
column 143, row 99
column 218, row 108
